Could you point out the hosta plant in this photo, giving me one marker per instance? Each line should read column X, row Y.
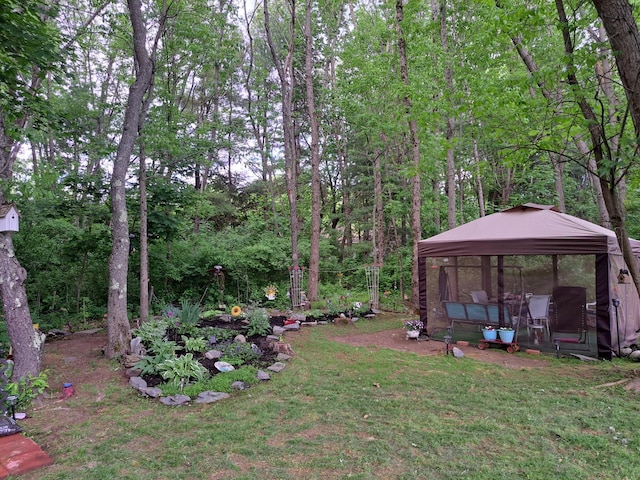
column 179, row 371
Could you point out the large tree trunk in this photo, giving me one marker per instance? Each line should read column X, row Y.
column 25, row 341
column 118, row 328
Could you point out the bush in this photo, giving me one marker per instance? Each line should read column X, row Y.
column 258, row 323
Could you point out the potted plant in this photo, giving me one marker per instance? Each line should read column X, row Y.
column 506, row 334
column 489, row 333
column 413, row 328
column 270, row 292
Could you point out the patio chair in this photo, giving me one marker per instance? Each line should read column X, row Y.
column 479, row 296
column 569, row 317
column 538, row 315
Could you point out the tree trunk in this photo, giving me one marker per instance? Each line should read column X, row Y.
column 25, row 340
column 622, row 29
column 314, row 254
column 287, row 84
column 118, row 328
column 416, row 225
column 617, row 212
column 144, row 244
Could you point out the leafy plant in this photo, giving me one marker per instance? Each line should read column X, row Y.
column 220, row 334
column 239, row 353
column 258, row 323
column 151, row 330
column 148, row 365
column 158, row 351
column 179, row 370
column 217, row 383
column 189, row 313
column 194, row 344
column 27, row 389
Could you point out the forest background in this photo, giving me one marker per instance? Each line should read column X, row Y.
column 320, row 136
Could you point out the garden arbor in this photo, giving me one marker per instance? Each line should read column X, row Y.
column 549, row 249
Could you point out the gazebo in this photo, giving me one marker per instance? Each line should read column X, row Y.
column 533, row 248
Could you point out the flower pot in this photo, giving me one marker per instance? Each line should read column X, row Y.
column 489, row 334
column 413, row 333
column 506, row 335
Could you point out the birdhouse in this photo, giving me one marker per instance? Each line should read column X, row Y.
column 9, row 218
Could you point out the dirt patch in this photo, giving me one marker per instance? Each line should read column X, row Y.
column 397, row 340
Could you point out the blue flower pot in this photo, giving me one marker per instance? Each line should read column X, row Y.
column 489, row 334
column 506, row 335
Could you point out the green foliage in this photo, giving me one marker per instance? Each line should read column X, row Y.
column 148, row 364
column 189, row 312
column 258, row 319
column 219, row 335
column 194, row 344
column 217, row 383
column 239, row 353
column 151, row 331
column 180, row 370
column 27, row 390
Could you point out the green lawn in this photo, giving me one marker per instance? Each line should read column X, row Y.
column 345, row 412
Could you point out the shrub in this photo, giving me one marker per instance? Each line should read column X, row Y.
column 258, row 323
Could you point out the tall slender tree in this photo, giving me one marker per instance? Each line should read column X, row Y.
column 118, row 329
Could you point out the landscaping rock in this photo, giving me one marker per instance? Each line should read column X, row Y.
column 277, row 331
column 240, row 385
column 263, row 376
column 132, row 372
column 292, row 326
column 213, row 354
column 138, row 383
column 240, row 339
column 175, row 400
column 129, row 361
column 210, row 397
column 283, row 357
column 277, row 367
column 274, row 338
column 635, row 355
column 56, row 332
column 457, row 353
column 153, row 392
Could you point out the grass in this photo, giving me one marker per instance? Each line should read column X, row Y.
column 351, row 412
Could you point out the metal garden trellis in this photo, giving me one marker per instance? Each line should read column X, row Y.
column 373, row 284
column 296, row 281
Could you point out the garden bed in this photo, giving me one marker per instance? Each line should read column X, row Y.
column 221, row 333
